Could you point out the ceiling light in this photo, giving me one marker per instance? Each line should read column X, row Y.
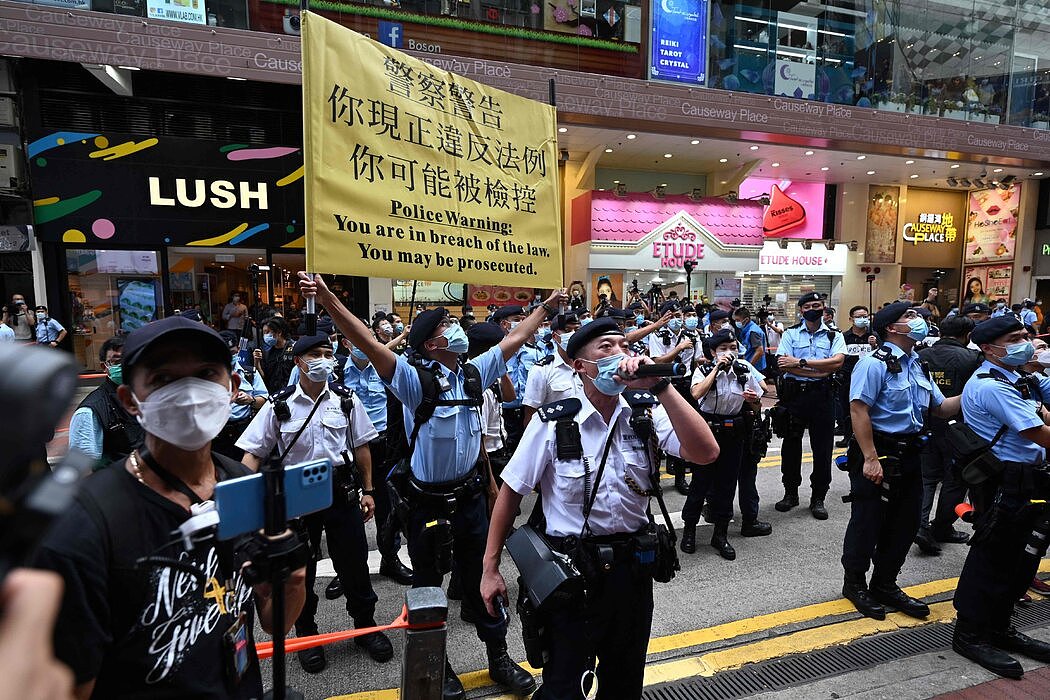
column 234, row 77
column 861, row 157
column 631, row 137
column 808, row 153
column 616, row 182
column 725, row 182
column 129, row 67
column 825, row 169
column 909, row 162
column 695, row 141
column 1037, row 174
column 667, row 155
column 953, row 166
column 913, row 176
column 754, row 148
column 997, row 170
column 663, row 184
column 775, row 165
column 871, row 172
column 562, row 129
column 608, row 150
column 723, row 160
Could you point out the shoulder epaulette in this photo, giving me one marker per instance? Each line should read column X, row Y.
column 640, row 398
column 885, row 355
column 797, row 325
column 545, row 361
column 340, row 390
column 559, row 409
column 283, row 393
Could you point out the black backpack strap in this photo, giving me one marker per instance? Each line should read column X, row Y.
column 545, row 361
column 641, row 402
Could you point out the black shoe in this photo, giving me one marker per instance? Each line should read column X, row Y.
column 816, row 507
column 1012, row 640
column 377, row 645
column 680, row 484
column 688, row 544
column 334, row 589
column 789, row 501
column 393, row 569
column 953, row 536
column 855, row 590
column 844, row 442
column 452, row 689
column 313, row 660
column 927, row 545
column 504, row 671
column 720, row 541
column 756, row 528
column 891, row 596
column 974, row 646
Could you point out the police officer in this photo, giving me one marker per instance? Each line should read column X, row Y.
column 1010, row 536
column 277, row 359
column 976, row 312
column 314, row 419
column 890, row 396
column 518, row 368
column 670, row 342
column 481, row 337
column 446, row 464
column 808, row 356
column 100, row 427
column 361, row 377
column 951, row 364
column 722, row 385
column 247, row 400
column 553, row 377
column 614, row 621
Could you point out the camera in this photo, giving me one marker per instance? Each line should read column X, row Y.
column 292, row 23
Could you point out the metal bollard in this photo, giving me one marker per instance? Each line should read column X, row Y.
column 423, row 665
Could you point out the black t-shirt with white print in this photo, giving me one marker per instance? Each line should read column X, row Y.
column 143, row 632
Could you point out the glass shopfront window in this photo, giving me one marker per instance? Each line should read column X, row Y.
column 207, row 279
column 111, row 292
column 214, row 13
column 980, row 60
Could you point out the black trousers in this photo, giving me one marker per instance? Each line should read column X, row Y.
column 813, row 410
column 880, row 533
column 470, row 527
column 613, row 626
column 514, row 425
column 716, row 481
column 344, row 526
column 997, row 569
column 388, row 541
column 747, row 486
column 938, row 468
column 225, row 442
column 845, row 421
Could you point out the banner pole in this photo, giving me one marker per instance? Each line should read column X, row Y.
column 412, row 304
column 551, row 97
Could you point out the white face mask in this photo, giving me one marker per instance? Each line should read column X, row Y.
column 320, row 369
column 188, row 413
column 1043, row 357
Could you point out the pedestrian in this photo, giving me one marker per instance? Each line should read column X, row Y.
column 829, row 318
column 20, row 319
column 235, row 314
column 729, row 391
column 612, row 622
column 808, row 356
column 48, row 331
column 159, row 632
column 277, row 359
column 751, row 338
column 248, row 400
column 859, row 341
column 1011, row 529
column 311, row 420
column 7, row 334
column 951, row 365
column 1028, row 315
column 930, row 304
column 100, row 427
column 446, row 464
column 890, row 396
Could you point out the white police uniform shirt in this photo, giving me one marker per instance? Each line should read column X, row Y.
column 328, row 435
column 664, row 341
column 726, row 397
column 492, row 421
column 617, row 508
column 551, row 382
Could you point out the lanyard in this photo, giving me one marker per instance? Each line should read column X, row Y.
column 173, row 481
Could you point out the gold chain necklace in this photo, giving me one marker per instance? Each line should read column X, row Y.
column 135, row 468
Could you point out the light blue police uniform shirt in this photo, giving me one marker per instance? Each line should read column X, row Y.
column 988, row 404
column 897, row 403
column 369, row 389
column 1029, row 317
column 799, row 343
column 48, row 331
column 254, row 388
column 448, row 445
column 7, row 334
column 518, row 368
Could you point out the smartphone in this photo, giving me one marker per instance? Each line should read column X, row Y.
column 241, row 502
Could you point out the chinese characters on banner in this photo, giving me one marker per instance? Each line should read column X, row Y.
column 418, row 173
column 992, row 227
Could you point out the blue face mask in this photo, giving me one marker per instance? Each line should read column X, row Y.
column 269, row 340
column 692, row 322
column 399, row 327
column 606, row 382
column 639, row 319
column 563, row 340
column 862, row 322
column 918, row 330
column 585, row 321
column 457, row 339
column 675, row 324
column 356, row 352
column 1017, row 354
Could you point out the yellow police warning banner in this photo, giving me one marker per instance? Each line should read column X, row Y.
column 413, row 172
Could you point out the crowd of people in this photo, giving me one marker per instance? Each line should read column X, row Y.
column 438, row 428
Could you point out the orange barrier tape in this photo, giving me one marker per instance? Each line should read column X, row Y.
column 265, row 649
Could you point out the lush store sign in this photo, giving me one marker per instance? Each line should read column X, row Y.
column 678, row 50
column 134, row 190
column 931, row 228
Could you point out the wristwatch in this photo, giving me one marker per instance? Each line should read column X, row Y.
column 802, row 363
column 660, row 386
column 550, row 311
column 368, row 492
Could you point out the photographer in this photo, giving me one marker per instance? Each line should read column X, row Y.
column 155, row 630
column 100, row 427
column 20, row 319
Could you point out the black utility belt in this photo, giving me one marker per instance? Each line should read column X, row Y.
column 611, row 548
column 802, row 387
column 727, row 423
column 447, row 492
column 900, row 444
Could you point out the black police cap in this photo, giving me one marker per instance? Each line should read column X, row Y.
column 309, row 342
column 482, row 336
column 424, row 325
column 559, row 322
column 230, row 337
column 712, row 342
column 594, row 329
column 889, row 314
column 688, row 308
column 988, row 331
column 670, row 305
column 192, row 334
column 718, row 315
column 506, row 312
column 977, row 308
column 193, row 315
column 613, row 312
column 806, row 298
